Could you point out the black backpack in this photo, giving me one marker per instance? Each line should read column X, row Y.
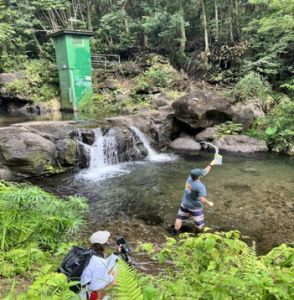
column 75, row 262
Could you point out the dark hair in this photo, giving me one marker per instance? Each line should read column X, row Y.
column 98, row 248
column 194, row 177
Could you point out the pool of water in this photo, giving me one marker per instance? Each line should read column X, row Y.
column 7, row 119
column 253, row 194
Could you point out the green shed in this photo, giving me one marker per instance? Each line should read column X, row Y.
column 73, row 58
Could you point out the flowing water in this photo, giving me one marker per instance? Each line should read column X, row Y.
column 253, row 194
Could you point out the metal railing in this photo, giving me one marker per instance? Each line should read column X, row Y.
column 106, row 61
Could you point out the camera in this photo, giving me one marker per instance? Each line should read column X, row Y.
column 125, row 249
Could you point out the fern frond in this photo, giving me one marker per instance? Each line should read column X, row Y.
column 127, row 287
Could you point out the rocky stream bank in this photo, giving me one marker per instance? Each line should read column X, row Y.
column 50, row 147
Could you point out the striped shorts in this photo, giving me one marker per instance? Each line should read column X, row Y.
column 197, row 215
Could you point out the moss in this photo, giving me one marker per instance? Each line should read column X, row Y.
column 49, row 169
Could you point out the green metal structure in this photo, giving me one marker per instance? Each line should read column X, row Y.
column 73, row 57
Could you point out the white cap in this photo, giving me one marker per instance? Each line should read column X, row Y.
column 99, row 237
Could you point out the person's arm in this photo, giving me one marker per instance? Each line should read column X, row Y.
column 209, row 167
column 204, row 200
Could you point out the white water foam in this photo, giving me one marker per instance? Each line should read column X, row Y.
column 103, row 159
column 152, row 154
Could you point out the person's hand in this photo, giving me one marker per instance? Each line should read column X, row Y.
column 210, row 203
column 213, row 162
column 119, row 248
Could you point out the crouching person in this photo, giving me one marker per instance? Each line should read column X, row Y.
column 98, row 275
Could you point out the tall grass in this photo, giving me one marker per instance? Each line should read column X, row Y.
column 29, row 214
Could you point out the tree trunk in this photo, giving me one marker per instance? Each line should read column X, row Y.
column 206, row 53
column 182, row 28
column 37, row 43
column 146, row 44
column 127, row 29
column 237, row 13
column 89, row 19
column 216, row 20
column 230, row 19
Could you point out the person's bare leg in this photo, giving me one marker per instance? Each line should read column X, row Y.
column 178, row 224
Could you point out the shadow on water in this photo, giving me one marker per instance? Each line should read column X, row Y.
column 253, row 194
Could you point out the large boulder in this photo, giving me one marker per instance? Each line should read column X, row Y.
column 245, row 113
column 40, row 148
column 185, row 144
column 26, row 153
column 122, row 144
column 208, row 134
column 52, row 130
column 202, row 109
column 240, row 143
column 162, row 129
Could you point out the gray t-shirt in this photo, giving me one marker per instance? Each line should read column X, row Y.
column 193, row 191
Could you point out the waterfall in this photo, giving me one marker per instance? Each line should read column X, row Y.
column 104, row 161
column 104, row 158
column 152, row 154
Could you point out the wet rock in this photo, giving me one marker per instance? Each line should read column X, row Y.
column 150, row 219
column 185, row 143
column 67, row 152
column 26, row 153
column 163, row 128
column 240, row 143
column 128, row 146
column 208, row 134
column 83, row 156
column 251, row 171
column 202, row 109
column 41, row 148
column 87, row 136
column 5, row 174
column 291, row 151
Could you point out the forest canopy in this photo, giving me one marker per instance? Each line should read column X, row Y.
column 223, row 40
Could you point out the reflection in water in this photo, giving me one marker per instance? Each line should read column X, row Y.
column 252, row 194
column 7, row 119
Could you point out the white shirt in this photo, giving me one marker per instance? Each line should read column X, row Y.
column 97, row 272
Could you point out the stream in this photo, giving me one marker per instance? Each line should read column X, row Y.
column 253, row 194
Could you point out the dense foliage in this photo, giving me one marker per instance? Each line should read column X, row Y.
column 220, row 266
column 210, row 266
column 33, row 223
column 39, row 82
column 277, row 128
column 233, row 37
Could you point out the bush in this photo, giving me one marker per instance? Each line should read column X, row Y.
column 252, row 86
column 277, row 128
column 100, row 105
column 159, row 75
column 39, row 84
column 221, row 266
column 229, row 127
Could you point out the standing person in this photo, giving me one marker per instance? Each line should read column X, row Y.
column 98, row 274
column 194, row 196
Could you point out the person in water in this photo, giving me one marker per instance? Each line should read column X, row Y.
column 195, row 196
